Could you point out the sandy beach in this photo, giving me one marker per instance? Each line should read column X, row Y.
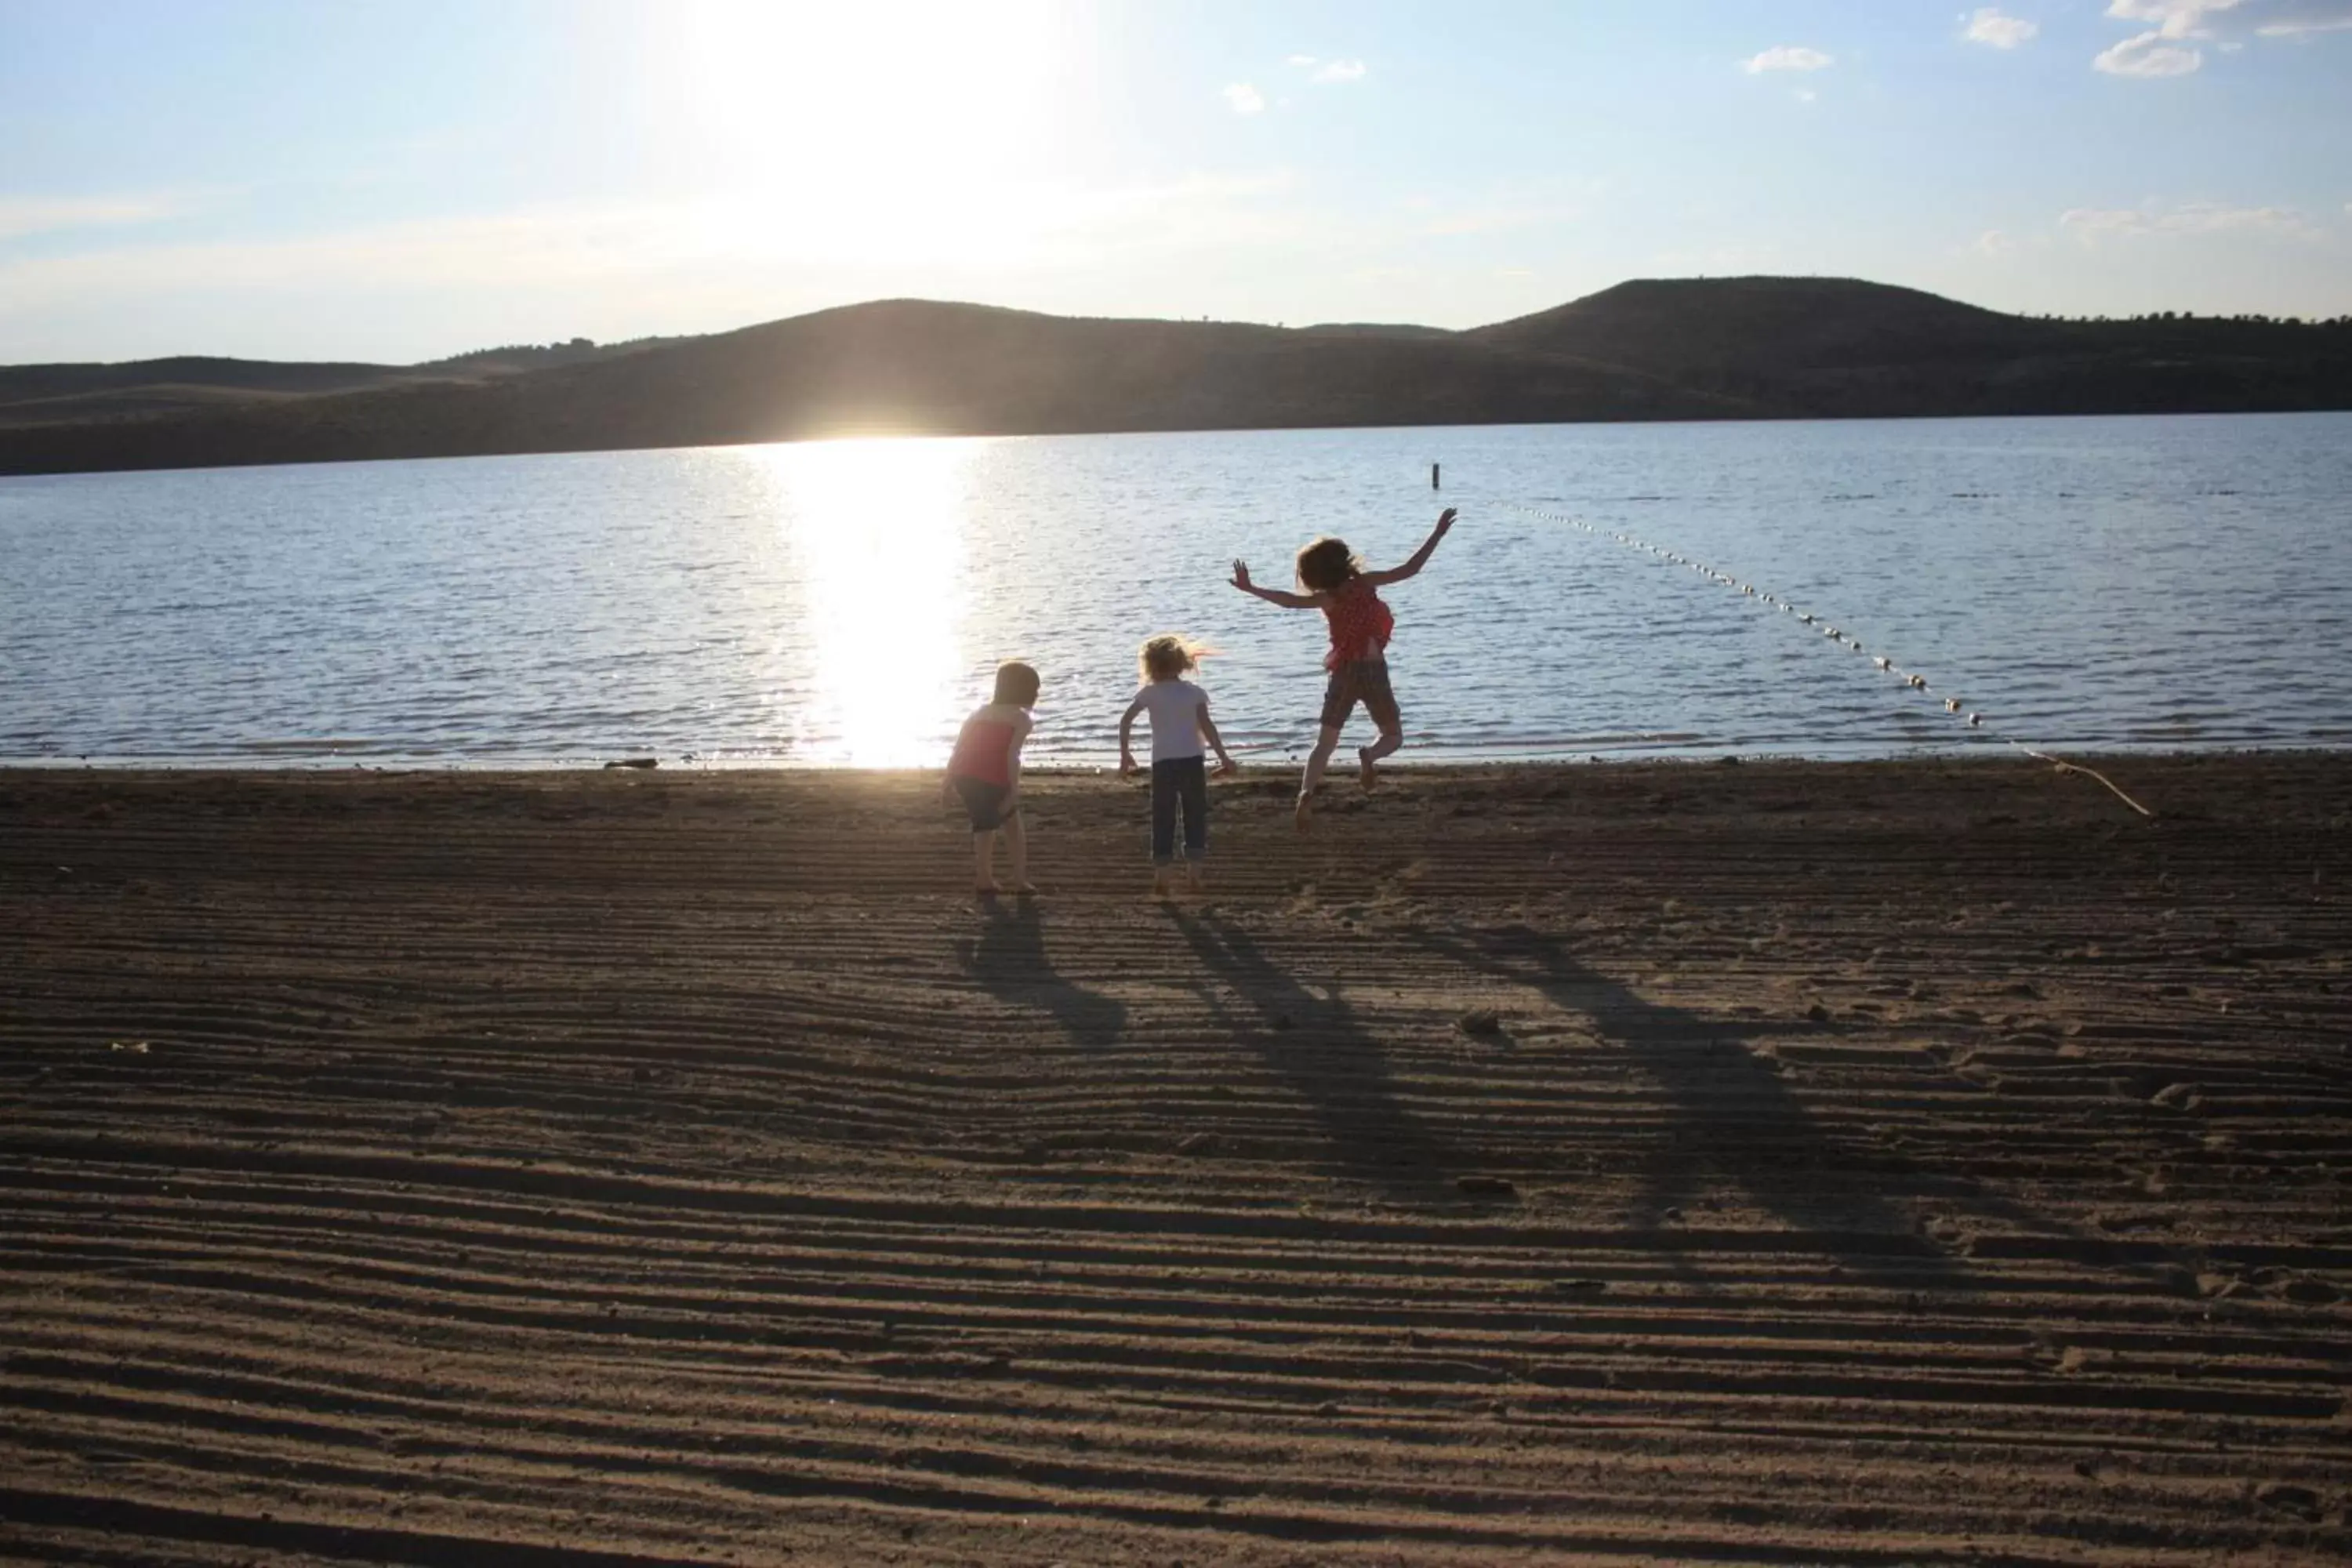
column 1778, row 1164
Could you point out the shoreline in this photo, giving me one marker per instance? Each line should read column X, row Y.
column 1991, row 751
column 1921, row 1162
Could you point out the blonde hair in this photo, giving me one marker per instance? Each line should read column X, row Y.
column 1167, row 655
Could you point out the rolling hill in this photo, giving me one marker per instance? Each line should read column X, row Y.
column 1830, row 348
column 1671, row 349
column 33, row 394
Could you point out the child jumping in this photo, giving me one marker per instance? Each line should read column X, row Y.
column 1349, row 598
column 985, row 772
column 1179, row 722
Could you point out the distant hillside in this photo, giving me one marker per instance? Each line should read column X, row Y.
column 1375, row 330
column 74, row 394
column 1828, row 347
column 1676, row 325
column 24, row 381
column 513, row 357
column 1677, row 349
column 903, row 366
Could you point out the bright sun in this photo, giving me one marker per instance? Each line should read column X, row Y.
column 871, row 130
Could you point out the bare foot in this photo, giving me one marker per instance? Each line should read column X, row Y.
column 1302, row 816
column 1364, row 768
column 1196, row 881
column 1162, row 885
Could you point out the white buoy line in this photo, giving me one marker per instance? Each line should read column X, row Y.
column 1912, row 679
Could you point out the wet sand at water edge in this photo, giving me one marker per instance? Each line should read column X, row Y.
column 1776, row 1164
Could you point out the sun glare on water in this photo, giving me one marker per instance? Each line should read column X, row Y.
column 874, row 531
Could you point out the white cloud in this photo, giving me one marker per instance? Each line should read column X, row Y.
column 624, row 250
column 2173, row 19
column 2177, row 19
column 1786, row 57
column 568, row 244
column 1319, row 69
column 1505, row 208
column 1992, row 242
column 2173, row 47
column 2148, row 55
column 2091, row 225
column 22, row 216
column 2292, row 18
column 2165, row 49
column 1244, row 99
column 1987, row 26
column 1503, row 215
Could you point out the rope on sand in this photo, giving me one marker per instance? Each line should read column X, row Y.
column 1912, row 679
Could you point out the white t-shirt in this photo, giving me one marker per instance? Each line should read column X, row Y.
column 1175, row 708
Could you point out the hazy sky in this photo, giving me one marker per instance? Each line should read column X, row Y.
column 402, row 180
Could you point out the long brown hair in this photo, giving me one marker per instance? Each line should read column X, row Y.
column 1327, row 563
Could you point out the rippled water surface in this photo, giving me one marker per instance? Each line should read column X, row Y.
column 2092, row 583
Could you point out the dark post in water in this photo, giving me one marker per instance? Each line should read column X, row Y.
column 1433, row 476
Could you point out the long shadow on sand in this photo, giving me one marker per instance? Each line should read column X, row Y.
column 1008, row 958
column 1322, row 1053
column 1731, row 1117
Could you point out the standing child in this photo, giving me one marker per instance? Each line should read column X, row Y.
column 985, row 774
column 1179, row 722
column 1349, row 598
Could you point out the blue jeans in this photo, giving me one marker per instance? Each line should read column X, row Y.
column 1180, row 781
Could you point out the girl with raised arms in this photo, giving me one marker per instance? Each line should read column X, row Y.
column 1336, row 582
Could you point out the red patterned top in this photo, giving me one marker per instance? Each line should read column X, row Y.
column 1360, row 623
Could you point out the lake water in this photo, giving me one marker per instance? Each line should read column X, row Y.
column 2091, row 584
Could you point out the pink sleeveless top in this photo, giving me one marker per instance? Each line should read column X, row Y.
column 1360, row 623
column 983, row 750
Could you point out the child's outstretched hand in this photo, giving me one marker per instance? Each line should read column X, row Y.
column 1445, row 519
column 1241, row 575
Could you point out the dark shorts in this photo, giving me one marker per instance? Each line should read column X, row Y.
column 984, row 803
column 1364, row 680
